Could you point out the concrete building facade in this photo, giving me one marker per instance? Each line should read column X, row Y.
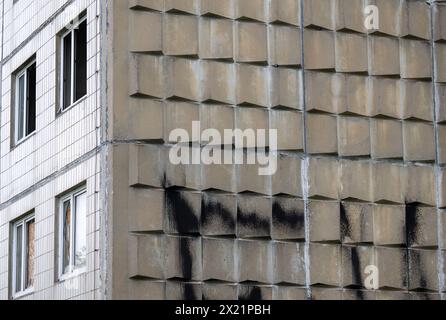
column 92, row 206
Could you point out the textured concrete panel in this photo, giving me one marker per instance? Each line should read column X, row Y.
column 360, row 116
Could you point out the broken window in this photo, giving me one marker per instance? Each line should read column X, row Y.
column 74, row 64
column 23, row 255
column 25, row 104
column 73, row 232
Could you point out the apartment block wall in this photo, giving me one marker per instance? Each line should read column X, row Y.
column 63, row 151
column 360, row 117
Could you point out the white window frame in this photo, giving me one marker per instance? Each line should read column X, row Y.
column 22, row 73
column 62, row 64
column 23, row 290
column 73, row 269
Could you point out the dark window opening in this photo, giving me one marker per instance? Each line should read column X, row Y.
column 67, row 71
column 81, row 60
column 25, row 118
column 74, row 65
column 31, row 100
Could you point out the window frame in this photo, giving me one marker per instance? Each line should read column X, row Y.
column 24, row 290
column 23, row 72
column 70, row 31
column 73, row 270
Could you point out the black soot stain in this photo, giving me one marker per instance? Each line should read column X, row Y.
column 182, row 215
column 289, row 218
column 357, row 272
column 345, row 223
column 254, row 293
column 189, row 292
column 213, row 210
column 253, row 221
column 411, row 223
column 416, row 263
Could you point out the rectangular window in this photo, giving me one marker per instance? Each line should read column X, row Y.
column 74, row 64
column 23, row 255
column 25, row 103
column 73, row 232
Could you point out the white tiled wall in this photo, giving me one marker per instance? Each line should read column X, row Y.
column 43, row 202
column 44, row 158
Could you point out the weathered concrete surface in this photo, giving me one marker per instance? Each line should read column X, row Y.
column 360, row 180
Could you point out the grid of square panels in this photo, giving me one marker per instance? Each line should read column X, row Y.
column 360, row 160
